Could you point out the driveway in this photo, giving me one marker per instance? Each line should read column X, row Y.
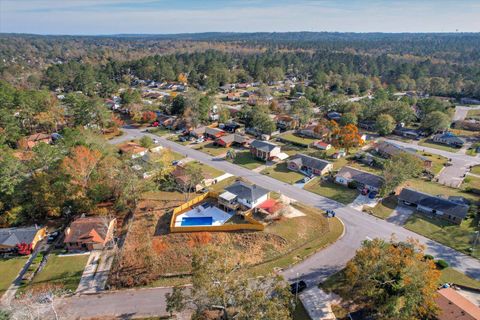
column 400, row 215
column 461, row 112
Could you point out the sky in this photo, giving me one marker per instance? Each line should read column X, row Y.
column 100, row 17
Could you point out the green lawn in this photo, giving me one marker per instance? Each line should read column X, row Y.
column 63, row 270
column 159, row 131
column 475, row 170
column 207, row 170
column 429, row 143
column 211, row 149
column 436, row 189
column 471, row 183
column 453, row 276
column 473, row 114
column 9, row 269
column 438, row 162
column 332, row 190
column 384, row 208
column 458, row 237
column 246, row 160
column 176, row 139
column 293, row 138
column 364, row 167
column 281, row 172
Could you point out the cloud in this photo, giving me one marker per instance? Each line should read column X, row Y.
column 147, row 16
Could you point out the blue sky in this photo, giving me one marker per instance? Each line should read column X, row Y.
column 179, row 16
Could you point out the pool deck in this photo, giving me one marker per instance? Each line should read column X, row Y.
column 219, row 217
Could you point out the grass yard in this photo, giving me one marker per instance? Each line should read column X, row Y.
column 384, row 208
column 9, row 269
column 64, row 271
column 429, row 143
column 246, row 160
column 453, row 276
column 471, row 183
column 475, row 170
column 436, row 189
column 160, row 131
column 438, row 162
column 176, row 139
column 473, row 114
column 211, row 149
column 364, row 167
column 458, row 237
column 300, row 313
column 298, row 140
column 332, row 190
column 207, row 170
column 281, row 172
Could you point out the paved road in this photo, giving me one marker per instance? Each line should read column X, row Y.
column 358, row 227
column 461, row 112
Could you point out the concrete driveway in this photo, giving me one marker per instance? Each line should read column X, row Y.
column 400, row 215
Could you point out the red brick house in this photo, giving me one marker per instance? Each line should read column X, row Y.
column 228, row 140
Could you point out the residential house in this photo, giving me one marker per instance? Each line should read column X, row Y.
column 334, row 116
column 309, row 165
column 454, row 306
column 286, row 122
column 183, row 179
column 243, row 194
column 322, row 145
column 314, row 130
column 449, row 139
column 234, row 138
column 23, row 239
column 406, row 132
column 198, row 132
column 339, row 154
column 367, row 125
column 387, row 150
column 89, row 233
column 213, row 133
column 265, row 150
column 446, row 209
column 233, row 96
column 132, row 149
column 31, row 141
column 231, row 127
column 364, row 179
column 166, row 121
column 252, row 100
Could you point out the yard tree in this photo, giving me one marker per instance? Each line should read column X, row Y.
column 348, row 118
column 385, row 124
column 219, row 282
column 178, row 105
column 146, row 142
column 399, row 169
column 436, row 121
column 392, row 280
column 148, row 116
column 182, row 78
column 302, row 108
column 264, row 123
column 204, row 106
column 131, row 96
column 346, row 137
column 223, row 115
column 80, row 165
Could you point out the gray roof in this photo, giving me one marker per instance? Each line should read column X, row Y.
column 364, row 177
column 212, row 131
column 433, row 202
column 393, row 149
column 10, row 237
column 263, row 145
column 450, row 137
column 309, row 162
column 247, row 191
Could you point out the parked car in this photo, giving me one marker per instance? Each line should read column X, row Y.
column 298, row 287
column 155, row 141
column 176, row 162
column 330, row 213
column 372, row 194
column 155, row 124
column 52, row 237
column 306, row 179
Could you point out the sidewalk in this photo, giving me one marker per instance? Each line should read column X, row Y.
column 318, row 303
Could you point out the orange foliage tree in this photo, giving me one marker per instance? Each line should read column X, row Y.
column 80, row 165
column 345, row 137
column 182, row 78
column 149, row 116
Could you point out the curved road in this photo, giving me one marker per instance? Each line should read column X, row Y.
column 359, row 226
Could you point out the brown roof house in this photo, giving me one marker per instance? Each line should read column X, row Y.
column 454, row 306
column 31, row 141
column 309, row 165
column 387, row 150
column 133, row 149
column 89, row 233
column 364, row 179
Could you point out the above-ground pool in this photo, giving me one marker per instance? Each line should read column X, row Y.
column 197, row 221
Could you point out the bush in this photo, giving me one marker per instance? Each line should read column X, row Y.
column 353, row 185
column 441, row 264
column 428, row 257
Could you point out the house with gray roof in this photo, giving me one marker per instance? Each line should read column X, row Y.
column 265, row 150
column 10, row 238
column 248, row 195
column 309, row 165
column 364, row 179
column 387, row 150
column 448, row 139
column 444, row 208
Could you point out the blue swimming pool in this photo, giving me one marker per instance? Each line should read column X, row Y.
column 197, row 221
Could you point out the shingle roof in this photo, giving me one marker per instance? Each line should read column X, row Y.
column 88, row 229
column 366, row 178
column 263, row 145
column 10, row 237
column 393, row 149
column 310, row 162
column 433, row 202
column 448, row 136
column 213, row 131
column 452, row 306
column 247, row 191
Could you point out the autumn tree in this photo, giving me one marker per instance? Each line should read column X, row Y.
column 149, row 116
column 346, row 137
column 182, row 78
column 399, row 169
column 392, row 280
column 219, row 282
